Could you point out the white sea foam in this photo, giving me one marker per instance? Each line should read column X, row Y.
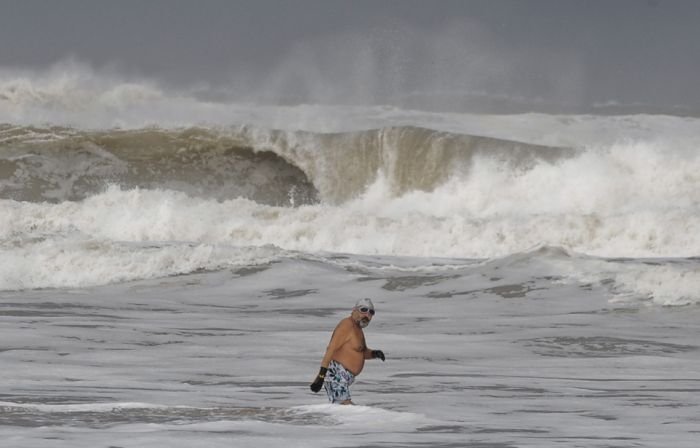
column 213, row 360
column 105, row 246
column 82, row 407
column 124, row 235
column 74, row 94
column 366, row 417
column 628, row 190
column 657, row 281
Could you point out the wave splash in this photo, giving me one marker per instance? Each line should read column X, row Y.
column 271, row 167
column 395, row 191
column 128, row 181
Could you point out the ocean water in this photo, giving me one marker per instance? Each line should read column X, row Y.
column 171, row 270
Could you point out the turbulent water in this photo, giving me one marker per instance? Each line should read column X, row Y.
column 171, row 270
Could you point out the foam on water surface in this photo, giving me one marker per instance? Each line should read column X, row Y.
column 500, row 353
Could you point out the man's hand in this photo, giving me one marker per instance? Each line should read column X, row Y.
column 318, row 382
column 378, row 354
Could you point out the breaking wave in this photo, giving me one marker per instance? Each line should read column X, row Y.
column 267, row 166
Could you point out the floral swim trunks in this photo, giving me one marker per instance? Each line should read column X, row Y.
column 338, row 381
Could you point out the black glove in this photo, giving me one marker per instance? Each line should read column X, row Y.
column 318, row 382
column 378, row 354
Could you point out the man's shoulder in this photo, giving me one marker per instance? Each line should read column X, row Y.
column 344, row 325
column 346, row 321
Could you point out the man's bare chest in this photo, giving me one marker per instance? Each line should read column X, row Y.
column 357, row 341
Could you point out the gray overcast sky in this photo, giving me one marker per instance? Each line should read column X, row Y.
column 575, row 52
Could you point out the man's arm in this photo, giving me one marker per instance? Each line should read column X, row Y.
column 372, row 354
column 340, row 336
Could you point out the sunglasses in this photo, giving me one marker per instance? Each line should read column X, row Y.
column 365, row 310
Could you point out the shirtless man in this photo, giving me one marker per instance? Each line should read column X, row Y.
column 346, row 354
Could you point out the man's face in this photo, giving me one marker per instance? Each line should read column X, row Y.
column 363, row 315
